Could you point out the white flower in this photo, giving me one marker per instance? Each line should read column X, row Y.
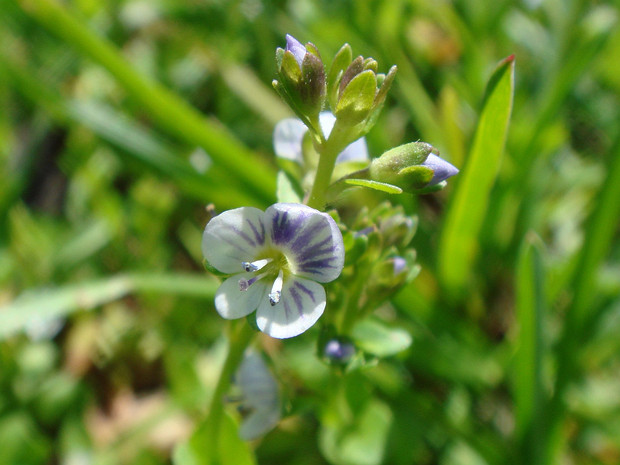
column 288, row 135
column 260, row 397
column 278, row 257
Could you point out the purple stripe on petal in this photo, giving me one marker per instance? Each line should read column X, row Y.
column 284, row 228
column 298, row 301
column 318, row 263
column 316, row 253
column 303, row 240
column 234, row 244
column 259, row 236
column 245, row 237
column 306, row 290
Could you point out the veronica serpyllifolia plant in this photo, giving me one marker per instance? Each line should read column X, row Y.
column 277, row 260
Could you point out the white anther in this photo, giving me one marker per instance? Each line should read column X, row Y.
column 256, row 265
column 244, row 284
column 276, row 289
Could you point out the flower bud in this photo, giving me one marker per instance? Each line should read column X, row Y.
column 296, row 48
column 339, row 351
column 301, row 80
column 390, row 274
column 398, row 229
column 356, row 92
column 411, row 167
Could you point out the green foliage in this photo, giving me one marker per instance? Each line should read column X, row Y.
column 467, row 211
column 121, row 121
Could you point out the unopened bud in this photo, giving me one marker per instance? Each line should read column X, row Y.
column 411, row 167
column 339, row 350
column 301, row 80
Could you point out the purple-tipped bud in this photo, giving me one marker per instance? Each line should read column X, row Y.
column 442, row 170
column 400, row 265
column 411, row 167
column 296, row 48
column 339, row 351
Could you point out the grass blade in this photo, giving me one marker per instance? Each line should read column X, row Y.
column 45, row 304
column 527, row 375
column 466, row 213
column 170, row 112
column 128, row 135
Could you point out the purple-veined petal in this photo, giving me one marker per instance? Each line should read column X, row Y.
column 256, row 382
column 233, row 237
column 309, row 238
column 260, row 394
column 287, row 139
column 355, row 151
column 442, row 169
column 258, row 423
column 296, row 48
column 301, row 305
column 231, row 302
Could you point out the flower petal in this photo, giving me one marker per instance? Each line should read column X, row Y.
column 296, row 48
column 309, row 238
column 258, row 423
column 233, row 237
column 231, row 302
column 301, row 305
column 442, row 169
column 355, row 151
column 287, row 139
column 260, row 393
column 256, row 382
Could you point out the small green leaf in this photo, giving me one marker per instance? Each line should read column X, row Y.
column 377, row 338
column 416, row 176
column 346, row 168
column 231, row 450
column 341, row 61
column 357, row 98
column 379, row 186
column 286, row 191
column 363, row 441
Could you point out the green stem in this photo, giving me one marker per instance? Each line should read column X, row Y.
column 241, row 335
column 328, row 151
column 322, row 180
column 353, row 311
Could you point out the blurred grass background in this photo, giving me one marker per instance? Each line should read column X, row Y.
column 121, row 120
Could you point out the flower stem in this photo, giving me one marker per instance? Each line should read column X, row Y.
column 328, row 151
column 352, row 309
column 240, row 336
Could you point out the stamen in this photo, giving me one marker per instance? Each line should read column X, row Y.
column 276, row 290
column 244, row 284
column 255, row 265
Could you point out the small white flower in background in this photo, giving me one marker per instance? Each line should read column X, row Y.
column 289, row 133
column 278, row 258
column 260, row 397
